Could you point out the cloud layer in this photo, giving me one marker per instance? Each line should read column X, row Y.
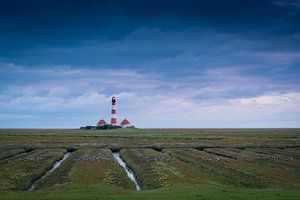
column 66, row 97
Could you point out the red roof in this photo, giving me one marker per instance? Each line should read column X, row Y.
column 101, row 122
column 125, row 122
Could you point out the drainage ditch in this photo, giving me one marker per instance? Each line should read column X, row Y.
column 128, row 171
column 54, row 167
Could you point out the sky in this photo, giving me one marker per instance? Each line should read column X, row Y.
column 170, row 63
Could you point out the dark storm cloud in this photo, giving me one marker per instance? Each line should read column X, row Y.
column 33, row 30
column 79, row 19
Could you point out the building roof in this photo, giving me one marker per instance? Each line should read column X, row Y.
column 101, row 122
column 125, row 122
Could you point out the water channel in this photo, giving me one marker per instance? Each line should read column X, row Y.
column 129, row 172
column 54, row 167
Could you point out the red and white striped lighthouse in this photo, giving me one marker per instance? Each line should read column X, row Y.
column 113, row 120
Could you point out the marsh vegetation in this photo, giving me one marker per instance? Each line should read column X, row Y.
column 167, row 163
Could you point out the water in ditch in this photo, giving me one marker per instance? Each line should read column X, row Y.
column 54, row 167
column 129, row 172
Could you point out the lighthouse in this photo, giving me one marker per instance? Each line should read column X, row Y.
column 101, row 125
column 113, row 120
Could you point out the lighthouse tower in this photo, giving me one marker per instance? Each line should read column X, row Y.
column 113, row 120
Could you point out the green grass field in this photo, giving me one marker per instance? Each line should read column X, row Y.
column 168, row 163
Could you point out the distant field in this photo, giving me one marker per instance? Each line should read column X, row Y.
column 168, row 163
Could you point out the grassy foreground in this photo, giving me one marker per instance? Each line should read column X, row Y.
column 169, row 163
column 184, row 192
